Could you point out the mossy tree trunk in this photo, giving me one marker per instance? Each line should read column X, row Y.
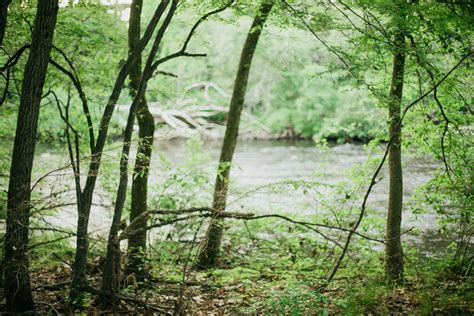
column 210, row 250
column 393, row 248
column 17, row 279
column 146, row 129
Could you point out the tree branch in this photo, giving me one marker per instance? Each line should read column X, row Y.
column 82, row 96
column 77, row 84
column 182, row 51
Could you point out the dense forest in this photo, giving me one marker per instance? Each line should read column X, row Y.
column 236, row 157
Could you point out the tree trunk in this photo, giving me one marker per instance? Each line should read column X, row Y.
column 393, row 248
column 17, row 280
column 146, row 129
column 80, row 261
column 210, row 251
column 3, row 18
column 111, row 276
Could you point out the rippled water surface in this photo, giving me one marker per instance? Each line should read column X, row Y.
column 257, row 163
column 260, row 163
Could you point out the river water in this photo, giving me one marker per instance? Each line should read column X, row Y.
column 258, row 164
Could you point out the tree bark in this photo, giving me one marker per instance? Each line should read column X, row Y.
column 111, row 276
column 210, row 251
column 393, row 248
column 17, row 280
column 79, row 281
column 146, row 129
column 3, row 18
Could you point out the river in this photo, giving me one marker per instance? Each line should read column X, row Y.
column 258, row 164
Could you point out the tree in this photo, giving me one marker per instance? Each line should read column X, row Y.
column 84, row 203
column 146, row 129
column 393, row 247
column 111, row 276
column 210, row 251
column 3, row 18
column 17, row 281
column 112, row 269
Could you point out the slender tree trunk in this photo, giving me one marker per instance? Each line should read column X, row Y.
column 79, row 281
column 111, row 276
column 3, row 18
column 209, row 253
column 146, row 129
column 393, row 248
column 17, row 280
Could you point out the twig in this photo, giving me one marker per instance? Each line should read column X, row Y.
column 49, row 242
column 182, row 51
column 186, row 273
column 77, row 84
column 7, row 67
column 50, row 305
column 53, row 286
column 332, row 50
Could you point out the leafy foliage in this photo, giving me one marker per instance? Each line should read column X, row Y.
column 328, row 85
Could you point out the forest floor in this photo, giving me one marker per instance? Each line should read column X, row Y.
column 238, row 290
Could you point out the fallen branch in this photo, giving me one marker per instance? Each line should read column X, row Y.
column 147, row 306
column 205, row 212
column 54, row 286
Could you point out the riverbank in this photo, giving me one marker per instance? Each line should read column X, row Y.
column 252, row 133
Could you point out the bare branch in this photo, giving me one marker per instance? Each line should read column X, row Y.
column 82, row 96
column 7, row 68
column 182, row 51
column 77, row 84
